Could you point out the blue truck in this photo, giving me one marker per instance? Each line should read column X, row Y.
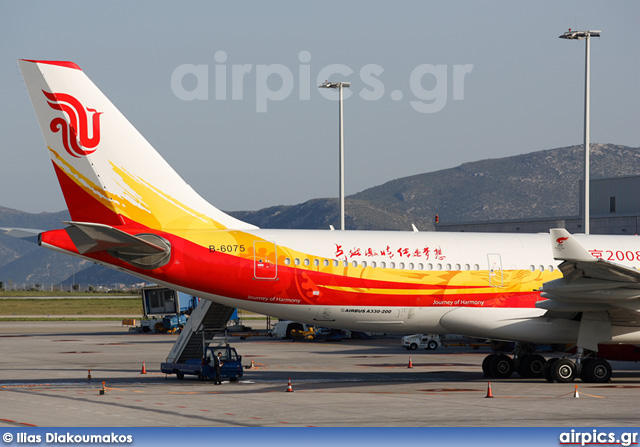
column 203, row 368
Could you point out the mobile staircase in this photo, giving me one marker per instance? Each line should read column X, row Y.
column 207, row 319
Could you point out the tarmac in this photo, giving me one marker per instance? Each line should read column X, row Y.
column 352, row 383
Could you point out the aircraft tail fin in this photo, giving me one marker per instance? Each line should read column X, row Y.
column 108, row 172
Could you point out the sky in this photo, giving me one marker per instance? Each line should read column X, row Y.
column 227, row 91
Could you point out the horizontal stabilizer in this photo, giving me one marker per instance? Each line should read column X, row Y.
column 27, row 234
column 93, row 237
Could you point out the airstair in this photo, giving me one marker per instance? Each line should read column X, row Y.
column 207, row 319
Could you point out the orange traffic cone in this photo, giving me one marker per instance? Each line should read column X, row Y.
column 576, row 395
column 89, row 375
column 144, row 369
column 252, row 366
column 103, row 390
column 410, row 363
column 289, row 389
column 489, row 393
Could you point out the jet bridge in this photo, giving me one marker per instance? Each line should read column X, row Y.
column 205, row 321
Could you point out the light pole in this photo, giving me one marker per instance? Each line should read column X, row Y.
column 579, row 35
column 339, row 86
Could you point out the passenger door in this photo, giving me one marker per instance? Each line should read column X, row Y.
column 496, row 278
column 265, row 256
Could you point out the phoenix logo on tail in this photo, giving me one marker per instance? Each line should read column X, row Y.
column 75, row 133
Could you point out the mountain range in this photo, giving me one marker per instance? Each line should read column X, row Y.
column 533, row 185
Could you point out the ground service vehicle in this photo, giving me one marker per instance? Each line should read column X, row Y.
column 422, row 341
column 231, row 365
column 284, row 328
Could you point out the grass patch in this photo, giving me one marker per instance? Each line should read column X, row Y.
column 41, row 293
column 80, row 306
column 3, row 319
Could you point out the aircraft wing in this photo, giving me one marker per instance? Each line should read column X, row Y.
column 587, row 279
column 604, row 292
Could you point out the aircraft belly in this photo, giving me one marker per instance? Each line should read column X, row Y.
column 510, row 324
column 398, row 320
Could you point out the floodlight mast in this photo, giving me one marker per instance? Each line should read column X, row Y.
column 580, row 35
column 340, row 86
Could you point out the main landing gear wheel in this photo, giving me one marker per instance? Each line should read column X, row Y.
column 531, row 366
column 547, row 370
column 501, row 366
column 563, row 371
column 595, row 371
column 486, row 364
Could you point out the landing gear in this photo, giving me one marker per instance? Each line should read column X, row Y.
column 524, row 362
column 591, row 370
column 486, row 365
column 565, row 370
column 546, row 371
column 595, row 371
column 531, row 366
column 500, row 366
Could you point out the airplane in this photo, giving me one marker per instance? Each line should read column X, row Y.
column 131, row 211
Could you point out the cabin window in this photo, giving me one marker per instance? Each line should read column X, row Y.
column 354, row 263
column 307, row 262
column 335, row 262
column 364, row 264
column 287, row 261
column 296, row 261
column 421, row 266
column 476, row 267
column 401, row 266
column 373, row 264
column 439, row 266
column 532, row 268
column 542, row 268
column 411, row 266
column 458, row 267
column 551, row 268
column 467, row 267
column 383, row 265
column 392, row 265
column 448, row 266
column 429, row 266
column 345, row 263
